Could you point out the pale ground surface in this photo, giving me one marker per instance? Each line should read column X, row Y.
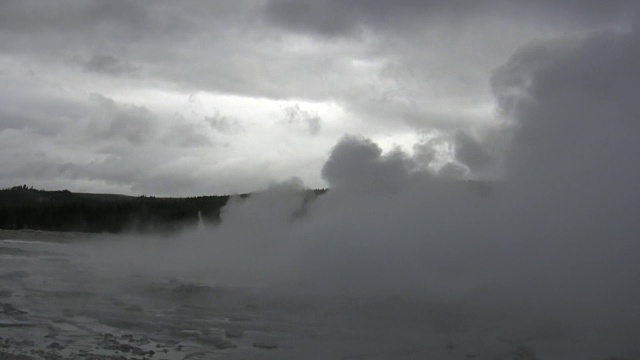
column 55, row 306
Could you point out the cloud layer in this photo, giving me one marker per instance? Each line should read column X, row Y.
column 285, row 80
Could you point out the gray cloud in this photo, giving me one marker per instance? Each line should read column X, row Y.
column 571, row 103
column 188, row 134
column 73, row 18
column 114, row 122
column 357, row 164
column 385, row 69
column 224, row 124
column 473, row 154
column 318, row 17
column 339, row 18
column 296, row 116
column 108, row 64
column 162, row 38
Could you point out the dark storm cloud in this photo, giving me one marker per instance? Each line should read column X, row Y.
column 575, row 108
column 341, row 18
column 472, row 153
column 98, row 32
column 14, row 120
column 161, row 37
column 584, row 12
column 317, row 16
column 338, row 18
column 107, row 64
column 327, row 17
column 65, row 16
column 470, row 38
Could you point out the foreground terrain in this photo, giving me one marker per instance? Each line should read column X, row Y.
column 54, row 304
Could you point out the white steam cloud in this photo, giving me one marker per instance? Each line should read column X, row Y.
column 553, row 244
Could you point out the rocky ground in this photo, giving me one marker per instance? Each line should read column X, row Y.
column 53, row 306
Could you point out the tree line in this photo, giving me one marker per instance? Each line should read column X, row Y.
column 23, row 207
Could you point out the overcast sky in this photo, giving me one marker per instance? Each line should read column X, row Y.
column 211, row 97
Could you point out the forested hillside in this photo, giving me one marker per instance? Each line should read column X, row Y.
column 22, row 207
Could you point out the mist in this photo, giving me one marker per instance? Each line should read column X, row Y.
column 548, row 240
